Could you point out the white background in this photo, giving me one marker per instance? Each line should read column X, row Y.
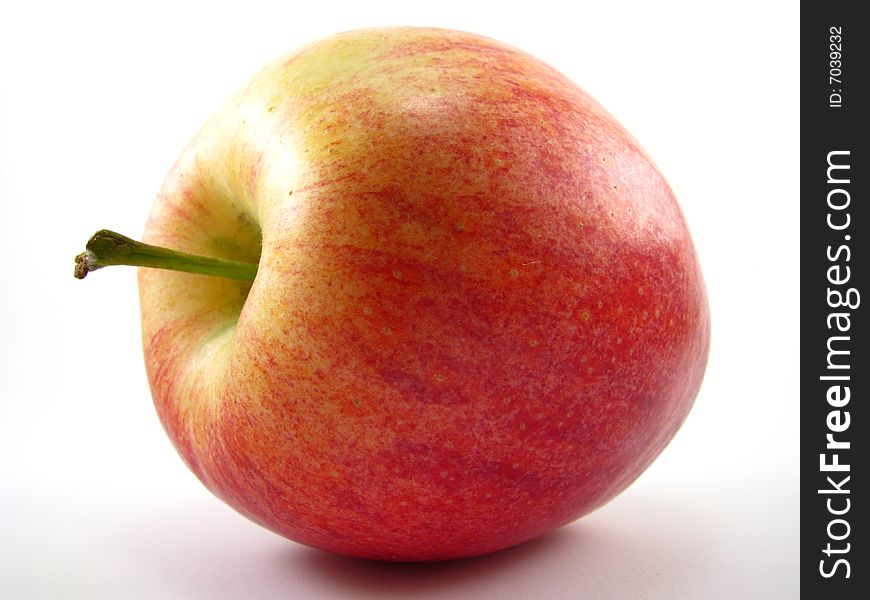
column 97, row 101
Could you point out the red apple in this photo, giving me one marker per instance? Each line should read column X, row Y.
column 478, row 314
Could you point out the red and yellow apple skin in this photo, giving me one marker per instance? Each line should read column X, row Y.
column 478, row 314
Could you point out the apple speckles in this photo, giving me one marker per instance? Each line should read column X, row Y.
column 392, row 413
column 397, row 274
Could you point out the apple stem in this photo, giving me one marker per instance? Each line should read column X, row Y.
column 107, row 248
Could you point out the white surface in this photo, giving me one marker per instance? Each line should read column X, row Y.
column 97, row 101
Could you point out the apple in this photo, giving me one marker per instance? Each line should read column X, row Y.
column 460, row 305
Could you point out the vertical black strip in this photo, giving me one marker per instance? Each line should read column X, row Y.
column 835, row 367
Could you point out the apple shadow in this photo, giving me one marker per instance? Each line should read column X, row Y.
column 629, row 553
column 638, row 548
column 363, row 578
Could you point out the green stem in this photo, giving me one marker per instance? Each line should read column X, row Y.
column 107, row 248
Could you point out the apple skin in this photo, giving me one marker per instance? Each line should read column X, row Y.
column 478, row 314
